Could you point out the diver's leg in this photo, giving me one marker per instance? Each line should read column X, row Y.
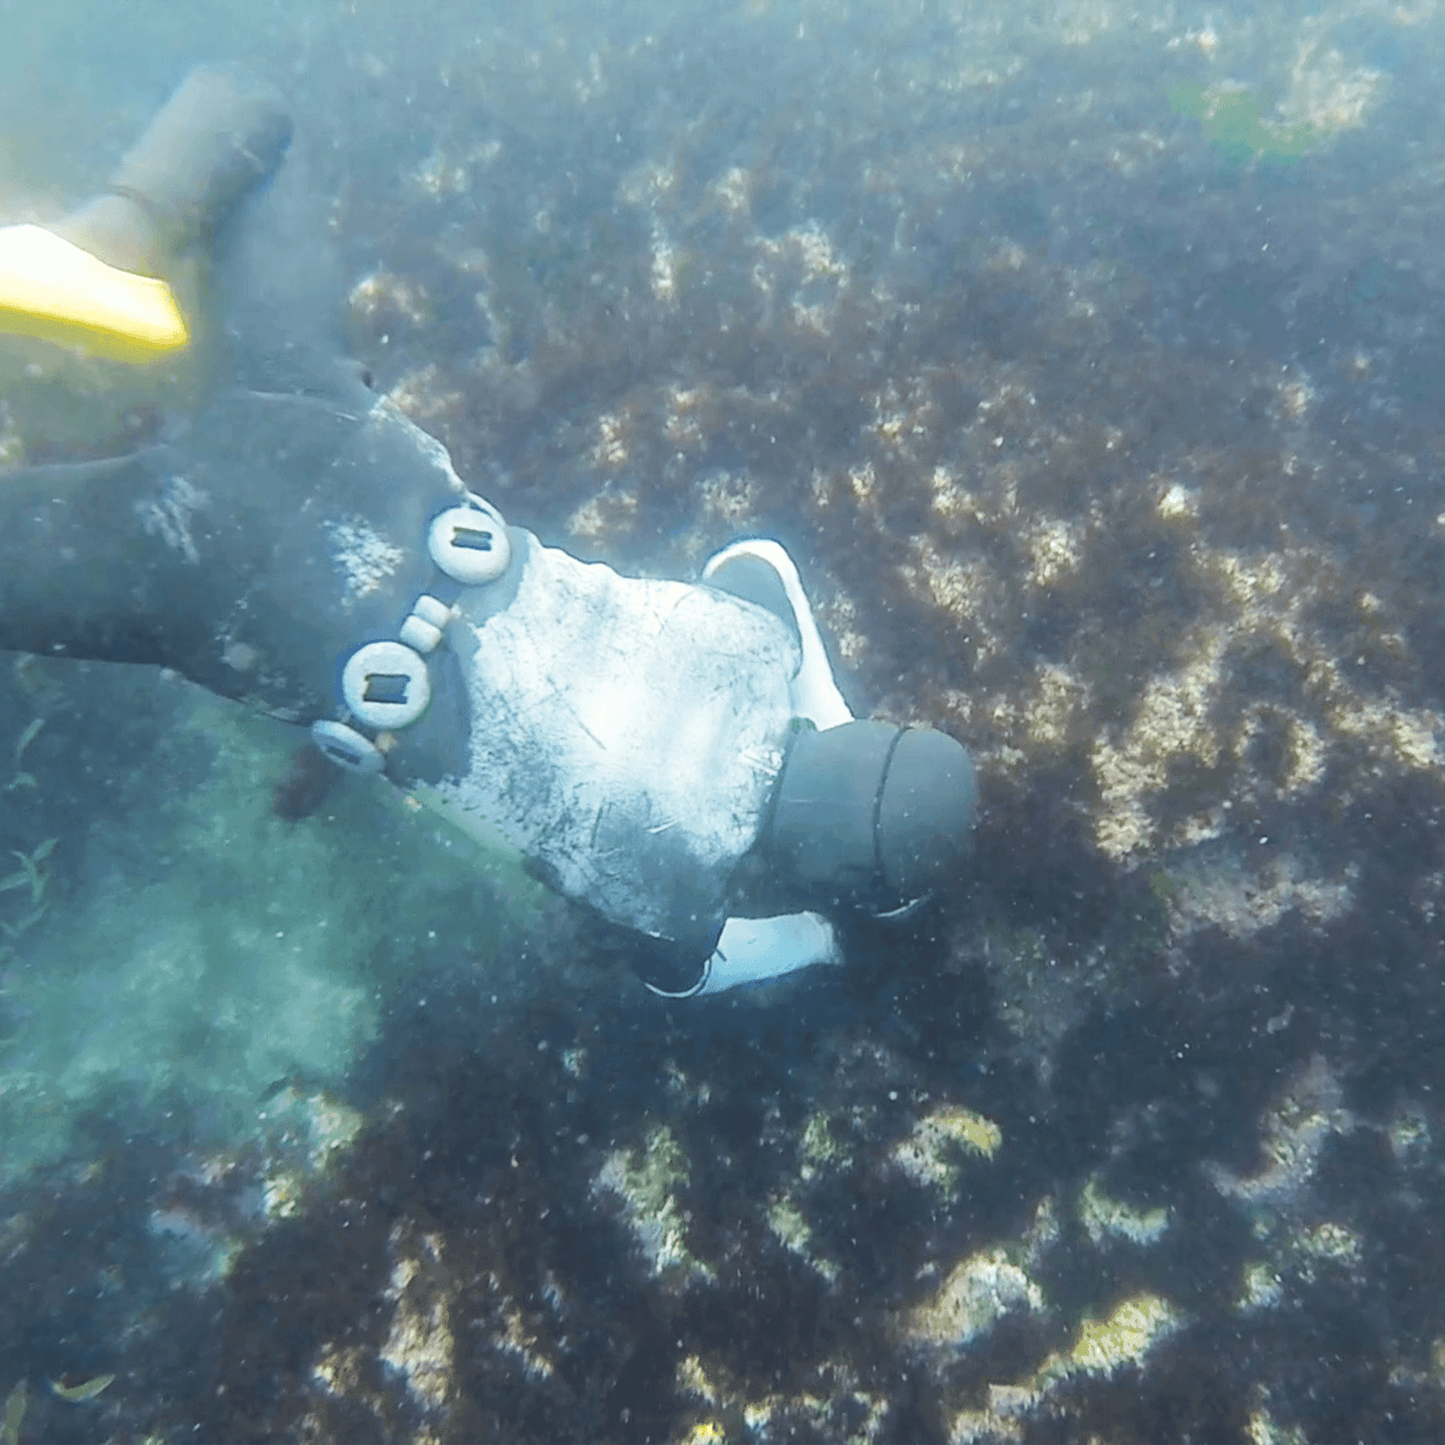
column 106, row 278
column 280, row 529
column 219, row 138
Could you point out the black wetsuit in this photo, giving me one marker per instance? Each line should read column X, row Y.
column 283, row 523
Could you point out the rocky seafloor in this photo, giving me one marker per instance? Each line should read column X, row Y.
column 1089, row 360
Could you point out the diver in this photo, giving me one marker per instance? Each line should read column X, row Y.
column 675, row 756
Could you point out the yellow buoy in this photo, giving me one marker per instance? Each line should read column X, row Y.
column 54, row 290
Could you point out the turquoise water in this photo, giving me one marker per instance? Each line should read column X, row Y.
column 197, row 950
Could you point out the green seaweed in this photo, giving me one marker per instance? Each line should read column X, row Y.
column 16, row 1403
column 1234, row 126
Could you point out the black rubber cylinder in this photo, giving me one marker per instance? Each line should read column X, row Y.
column 823, row 816
column 874, row 814
column 925, row 812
